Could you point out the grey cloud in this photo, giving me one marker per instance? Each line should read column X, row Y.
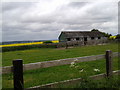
column 38, row 19
column 27, row 21
column 77, row 4
column 8, row 6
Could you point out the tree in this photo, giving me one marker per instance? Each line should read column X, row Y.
column 118, row 36
column 105, row 34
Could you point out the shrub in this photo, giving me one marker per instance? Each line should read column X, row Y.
column 47, row 42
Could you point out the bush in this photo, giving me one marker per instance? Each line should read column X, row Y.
column 47, row 42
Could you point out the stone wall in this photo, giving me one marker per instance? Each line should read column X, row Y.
column 82, row 39
column 82, row 43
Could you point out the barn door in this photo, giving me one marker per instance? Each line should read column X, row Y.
column 85, row 40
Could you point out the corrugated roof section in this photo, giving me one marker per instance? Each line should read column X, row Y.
column 83, row 33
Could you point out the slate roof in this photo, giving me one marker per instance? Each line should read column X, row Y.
column 82, row 34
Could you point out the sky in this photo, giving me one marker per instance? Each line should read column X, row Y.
column 44, row 20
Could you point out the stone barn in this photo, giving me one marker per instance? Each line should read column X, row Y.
column 68, row 36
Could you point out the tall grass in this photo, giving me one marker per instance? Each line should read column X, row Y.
column 103, row 83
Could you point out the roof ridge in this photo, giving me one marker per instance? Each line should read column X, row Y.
column 76, row 31
column 80, row 31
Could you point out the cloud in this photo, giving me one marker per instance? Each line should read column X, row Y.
column 46, row 19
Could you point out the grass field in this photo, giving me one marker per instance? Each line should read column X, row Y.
column 47, row 54
column 57, row 73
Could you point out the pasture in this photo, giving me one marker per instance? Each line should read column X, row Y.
column 47, row 54
column 57, row 73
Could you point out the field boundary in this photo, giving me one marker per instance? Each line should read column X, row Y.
column 71, row 81
column 54, row 45
column 45, row 64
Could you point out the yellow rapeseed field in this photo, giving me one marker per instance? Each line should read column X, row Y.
column 56, row 41
column 23, row 44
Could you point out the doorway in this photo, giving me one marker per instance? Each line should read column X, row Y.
column 85, row 40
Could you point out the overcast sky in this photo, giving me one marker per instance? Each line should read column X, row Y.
column 46, row 19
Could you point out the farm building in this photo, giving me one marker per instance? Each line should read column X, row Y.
column 67, row 36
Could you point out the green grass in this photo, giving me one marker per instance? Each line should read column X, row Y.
column 58, row 73
column 47, row 54
column 113, row 82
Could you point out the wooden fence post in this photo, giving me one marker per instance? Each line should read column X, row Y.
column 18, row 74
column 108, row 63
